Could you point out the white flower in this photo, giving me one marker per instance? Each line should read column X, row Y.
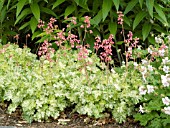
column 143, row 70
column 165, row 81
column 150, row 88
column 113, row 71
column 167, row 110
column 161, row 52
column 142, row 90
column 149, row 51
column 166, row 69
column 144, row 61
column 164, row 61
column 135, row 64
column 158, row 40
column 168, row 38
column 166, row 101
column 141, row 109
column 150, row 68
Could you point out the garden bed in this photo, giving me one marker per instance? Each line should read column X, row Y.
column 73, row 120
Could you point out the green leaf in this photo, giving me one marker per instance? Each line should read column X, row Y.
column 43, row 38
column 155, row 104
column 130, row 6
column 150, row 4
column 96, row 20
column 58, row 2
column 138, row 18
column 151, row 40
column 1, row 4
column 141, row 3
column 119, row 42
column 145, row 118
column 24, row 25
column 127, row 20
column 160, row 12
column 3, row 14
column 24, row 13
column 96, row 5
column 30, row 1
column 9, row 1
column 106, row 6
column 33, row 24
column 46, row 1
column 48, row 11
column 159, row 28
column 35, row 10
column 20, row 5
column 69, row 10
column 145, row 30
column 160, row 19
column 113, row 28
column 166, row 120
column 34, row 35
column 82, row 3
column 116, row 3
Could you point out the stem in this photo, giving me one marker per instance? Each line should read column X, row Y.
column 118, row 54
column 76, row 15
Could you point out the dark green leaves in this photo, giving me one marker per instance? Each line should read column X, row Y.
column 160, row 13
column 145, row 30
column 23, row 14
column 96, row 20
column 113, row 28
column 82, row 3
column 35, row 10
column 33, row 24
column 48, row 11
column 116, row 3
column 57, row 3
column 106, row 6
column 69, row 10
column 130, row 6
column 150, row 4
column 20, row 5
column 141, row 3
column 138, row 18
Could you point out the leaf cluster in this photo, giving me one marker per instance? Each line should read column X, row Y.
column 141, row 16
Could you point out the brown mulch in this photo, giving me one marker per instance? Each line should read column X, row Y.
column 66, row 120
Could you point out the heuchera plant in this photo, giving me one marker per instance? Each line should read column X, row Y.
column 155, row 104
column 61, row 77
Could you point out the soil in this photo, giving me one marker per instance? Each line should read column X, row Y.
column 66, row 120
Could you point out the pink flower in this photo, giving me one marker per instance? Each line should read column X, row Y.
column 87, row 21
column 90, row 31
column 120, row 17
column 83, row 53
column 106, row 45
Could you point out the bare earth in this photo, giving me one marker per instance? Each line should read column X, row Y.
column 66, row 120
